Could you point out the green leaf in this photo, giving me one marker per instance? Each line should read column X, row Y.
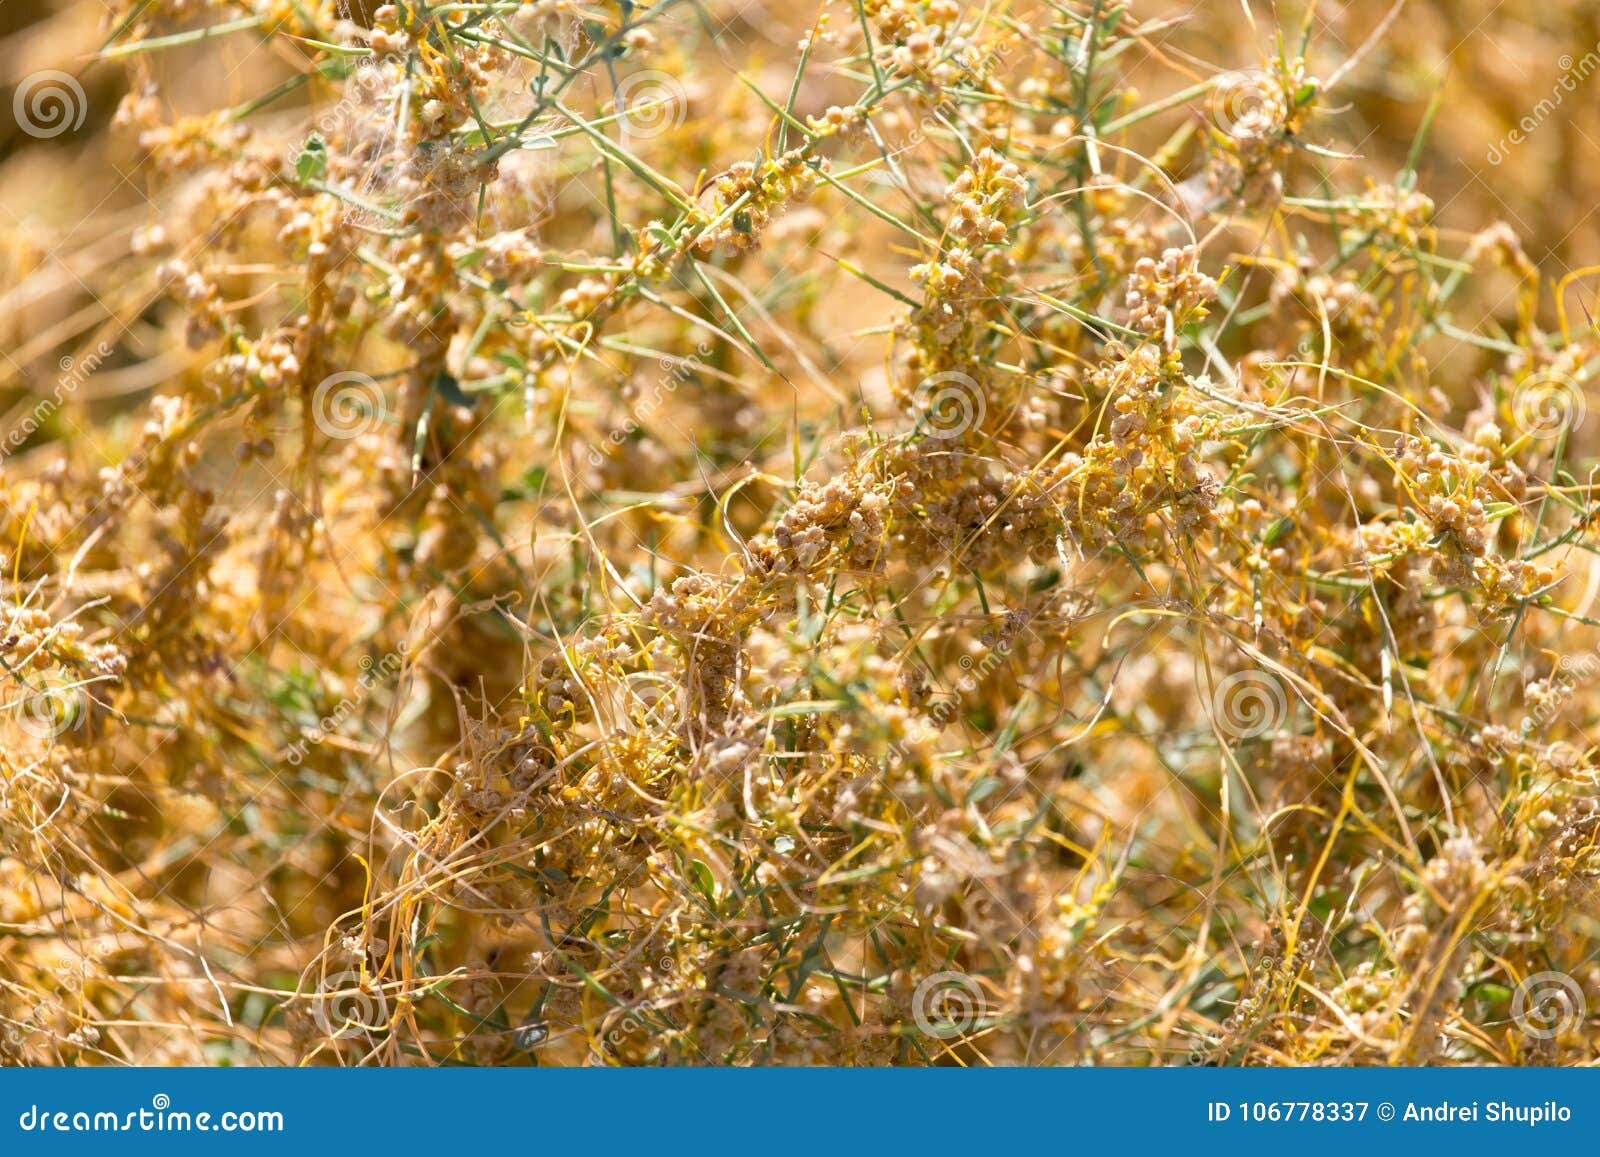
column 450, row 390
column 700, row 876
column 983, row 789
column 312, row 163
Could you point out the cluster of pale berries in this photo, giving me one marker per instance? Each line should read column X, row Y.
column 1168, row 294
